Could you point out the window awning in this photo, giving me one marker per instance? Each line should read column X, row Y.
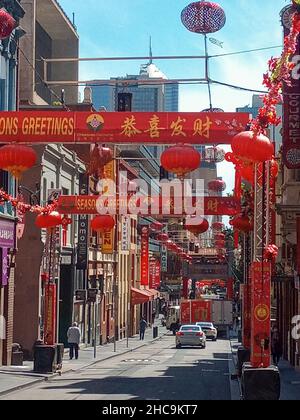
column 154, row 292
column 140, row 296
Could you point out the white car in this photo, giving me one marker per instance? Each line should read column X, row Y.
column 209, row 330
column 190, row 335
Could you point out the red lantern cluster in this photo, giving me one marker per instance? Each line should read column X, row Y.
column 219, row 237
column 17, row 159
column 162, row 237
column 7, row 24
column 180, row 160
column 242, row 223
column 103, row 223
column 203, row 17
column 217, row 185
column 252, row 148
column 271, row 253
column 197, row 226
column 247, row 171
column 48, row 221
column 217, row 226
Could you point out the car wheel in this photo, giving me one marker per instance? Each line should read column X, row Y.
column 214, row 339
column 204, row 346
column 178, row 346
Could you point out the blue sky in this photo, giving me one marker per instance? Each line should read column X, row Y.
column 123, row 27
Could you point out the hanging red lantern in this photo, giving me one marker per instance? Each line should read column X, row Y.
column 17, row 159
column 251, row 147
column 220, row 244
column 217, row 185
column 66, row 221
column 103, row 223
column 197, row 225
column 48, row 221
column 180, row 160
column 242, row 223
column 247, row 173
column 217, row 226
column 162, row 237
column 7, row 24
column 219, row 237
column 156, row 226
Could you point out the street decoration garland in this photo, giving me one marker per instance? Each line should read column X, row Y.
column 23, row 208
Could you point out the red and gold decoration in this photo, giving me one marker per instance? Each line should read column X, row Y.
column 203, row 17
column 261, row 314
column 103, row 223
column 145, row 256
column 50, row 314
column 180, row 160
column 17, row 159
column 218, row 226
column 7, row 24
column 271, row 253
column 156, row 226
column 196, row 225
column 36, row 127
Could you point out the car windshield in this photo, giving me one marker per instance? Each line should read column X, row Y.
column 191, row 328
column 205, row 325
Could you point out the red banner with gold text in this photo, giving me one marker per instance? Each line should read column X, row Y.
column 145, row 256
column 120, row 127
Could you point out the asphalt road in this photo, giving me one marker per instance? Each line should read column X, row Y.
column 158, row 371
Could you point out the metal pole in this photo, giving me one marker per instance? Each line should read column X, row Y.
column 128, row 298
column 95, row 329
column 207, row 78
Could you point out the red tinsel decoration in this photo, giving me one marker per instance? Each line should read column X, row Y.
column 23, row 208
column 7, row 24
column 278, row 74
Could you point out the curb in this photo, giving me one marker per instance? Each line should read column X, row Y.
column 54, row 375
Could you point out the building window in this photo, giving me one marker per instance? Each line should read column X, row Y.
column 297, row 175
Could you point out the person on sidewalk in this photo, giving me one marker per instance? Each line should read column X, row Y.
column 74, row 336
column 143, row 326
column 276, row 346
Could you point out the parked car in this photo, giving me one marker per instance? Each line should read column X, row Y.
column 190, row 335
column 209, row 329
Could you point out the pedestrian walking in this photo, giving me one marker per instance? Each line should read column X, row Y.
column 143, row 326
column 74, row 336
column 276, row 346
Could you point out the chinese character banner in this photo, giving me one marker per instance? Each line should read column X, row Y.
column 120, row 127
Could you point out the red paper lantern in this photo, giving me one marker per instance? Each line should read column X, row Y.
column 220, row 244
column 217, row 185
column 252, row 148
column 48, row 221
column 66, row 221
column 198, row 227
column 203, row 17
column 242, row 223
column 100, row 156
column 219, row 237
column 17, row 159
column 180, row 160
column 7, row 24
column 156, row 226
column 247, row 173
column 103, row 223
column 162, row 237
column 217, row 226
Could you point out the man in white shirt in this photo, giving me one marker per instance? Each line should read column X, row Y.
column 73, row 335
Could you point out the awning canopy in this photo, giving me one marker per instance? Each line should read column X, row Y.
column 140, row 296
column 154, row 292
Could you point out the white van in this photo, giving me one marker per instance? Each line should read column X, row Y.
column 173, row 315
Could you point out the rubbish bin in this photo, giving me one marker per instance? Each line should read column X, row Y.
column 60, row 355
column 17, row 355
column 155, row 332
column 45, row 358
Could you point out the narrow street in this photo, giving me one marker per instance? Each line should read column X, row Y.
column 157, row 371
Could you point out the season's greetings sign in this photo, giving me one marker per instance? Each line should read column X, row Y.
column 120, row 127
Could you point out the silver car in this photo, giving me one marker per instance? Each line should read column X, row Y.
column 190, row 335
column 209, row 330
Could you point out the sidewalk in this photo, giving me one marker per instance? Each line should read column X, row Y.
column 290, row 378
column 13, row 378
